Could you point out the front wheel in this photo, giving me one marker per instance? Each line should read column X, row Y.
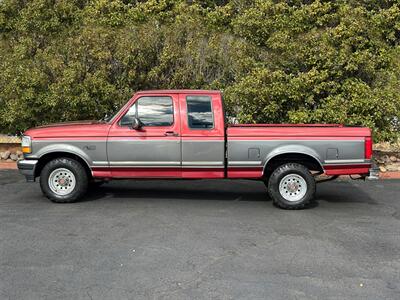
column 63, row 180
column 291, row 186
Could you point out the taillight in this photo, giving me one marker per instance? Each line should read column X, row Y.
column 368, row 147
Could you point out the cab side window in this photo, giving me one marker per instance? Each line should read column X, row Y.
column 199, row 110
column 151, row 111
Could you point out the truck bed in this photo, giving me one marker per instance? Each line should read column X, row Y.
column 335, row 149
column 326, row 131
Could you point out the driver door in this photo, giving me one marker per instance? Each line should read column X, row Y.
column 152, row 151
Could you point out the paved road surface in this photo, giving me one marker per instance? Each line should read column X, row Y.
column 199, row 240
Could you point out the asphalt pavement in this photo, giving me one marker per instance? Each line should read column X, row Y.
column 199, row 240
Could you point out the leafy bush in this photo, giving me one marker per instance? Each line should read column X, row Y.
column 276, row 61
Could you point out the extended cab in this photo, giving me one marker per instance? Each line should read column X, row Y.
column 182, row 134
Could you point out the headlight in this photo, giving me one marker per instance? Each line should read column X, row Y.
column 26, row 144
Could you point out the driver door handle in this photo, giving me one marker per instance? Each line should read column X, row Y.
column 171, row 133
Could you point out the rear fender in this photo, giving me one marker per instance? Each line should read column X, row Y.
column 293, row 149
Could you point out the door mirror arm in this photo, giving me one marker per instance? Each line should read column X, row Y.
column 136, row 124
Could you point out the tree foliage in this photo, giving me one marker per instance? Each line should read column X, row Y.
column 292, row 61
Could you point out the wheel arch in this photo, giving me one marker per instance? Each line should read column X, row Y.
column 45, row 158
column 293, row 154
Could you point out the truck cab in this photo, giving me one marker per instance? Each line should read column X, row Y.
column 175, row 134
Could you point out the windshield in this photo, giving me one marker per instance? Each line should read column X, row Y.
column 110, row 115
column 107, row 117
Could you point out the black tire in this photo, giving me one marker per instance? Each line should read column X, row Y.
column 281, row 173
column 81, row 180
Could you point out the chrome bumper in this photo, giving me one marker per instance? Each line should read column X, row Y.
column 27, row 168
column 373, row 173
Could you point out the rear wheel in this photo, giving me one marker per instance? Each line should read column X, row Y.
column 291, row 186
column 63, row 180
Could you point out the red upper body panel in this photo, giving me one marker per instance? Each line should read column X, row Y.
column 70, row 130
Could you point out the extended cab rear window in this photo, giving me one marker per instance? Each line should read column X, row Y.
column 199, row 110
column 151, row 111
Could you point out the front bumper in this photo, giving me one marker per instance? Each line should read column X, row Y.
column 27, row 168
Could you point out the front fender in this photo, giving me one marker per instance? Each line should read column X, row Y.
column 67, row 148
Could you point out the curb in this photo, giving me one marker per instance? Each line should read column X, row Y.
column 386, row 175
column 389, row 175
column 8, row 166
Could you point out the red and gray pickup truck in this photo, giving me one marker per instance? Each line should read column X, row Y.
column 182, row 134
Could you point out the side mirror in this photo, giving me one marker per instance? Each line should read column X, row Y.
column 136, row 124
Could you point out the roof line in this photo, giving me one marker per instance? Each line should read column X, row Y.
column 175, row 91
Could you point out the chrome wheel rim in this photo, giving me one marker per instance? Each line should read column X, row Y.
column 293, row 187
column 62, row 181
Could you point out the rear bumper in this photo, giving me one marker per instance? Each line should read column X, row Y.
column 27, row 168
column 373, row 173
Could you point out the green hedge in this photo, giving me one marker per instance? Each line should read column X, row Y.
column 276, row 61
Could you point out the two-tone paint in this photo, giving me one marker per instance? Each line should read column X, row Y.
column 339, row 150
column 110, row 150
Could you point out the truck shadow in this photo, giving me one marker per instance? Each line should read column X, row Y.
column 219, row 190
column 183, row 190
